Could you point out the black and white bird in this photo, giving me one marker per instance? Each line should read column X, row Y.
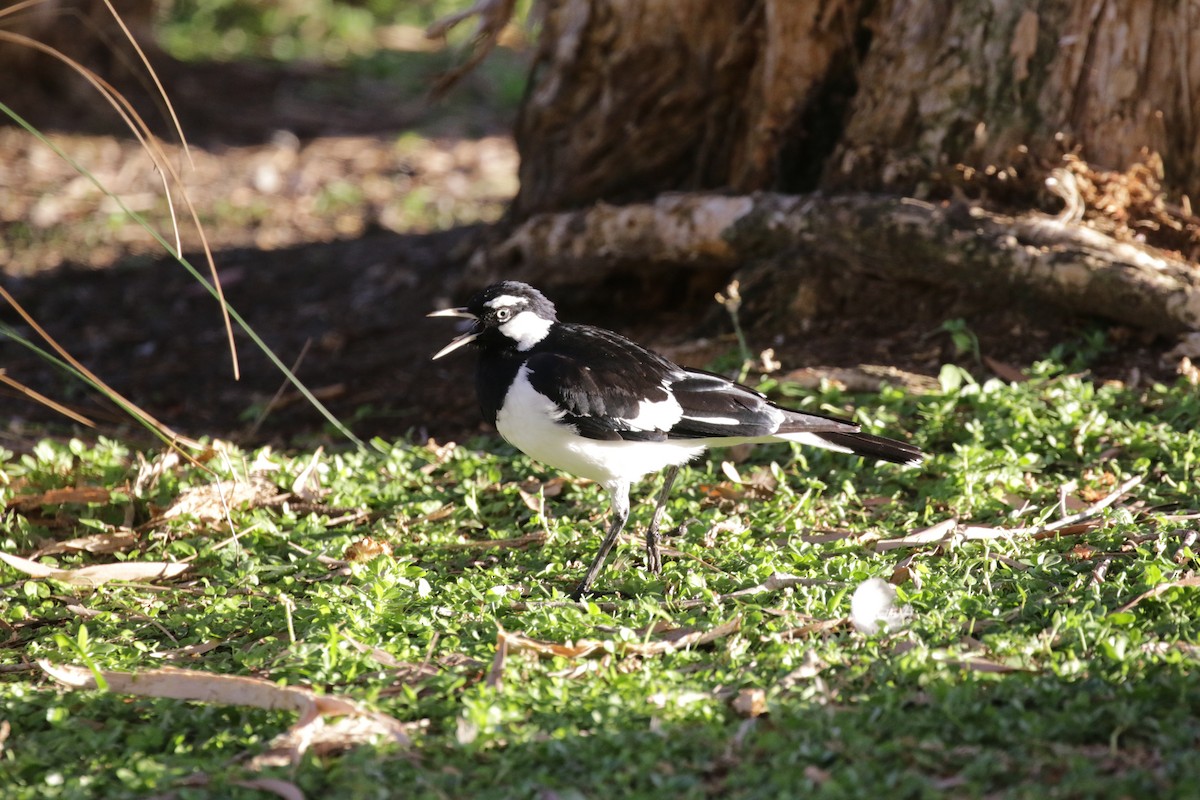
column 595, row 404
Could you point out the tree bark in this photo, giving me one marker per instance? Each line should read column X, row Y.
column 995, row 84
column 1033, row 255
column 50, row 93
column 629, row 98
column 954, row 102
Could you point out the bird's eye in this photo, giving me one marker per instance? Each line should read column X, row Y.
column 503, row 314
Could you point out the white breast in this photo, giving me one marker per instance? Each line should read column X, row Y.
column 533, row 424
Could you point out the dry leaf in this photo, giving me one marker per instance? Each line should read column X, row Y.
column 377, row 653
column 977, row 664
column 774, row 583
column 669, row 642
column 531, row 501
column 495, row 676
column 114, row 542
column 151, row 472
column 816, row 626
column 57, row 497
column 811, row 669
column 532, row 491
column 366, row 548
column 325, row 738
column 359, row 726
column 729, row 525
column 99, row 574
column 301, row 486
column 1082, row 551
column 817, row 775
column 281, row 788
column 724, row 490
column 1006, row 371
column 935, row 534
column 211, row 502
column 903, row 572
column 750, row 702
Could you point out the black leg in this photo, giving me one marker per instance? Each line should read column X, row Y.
column 653, row 557
column 620, row 513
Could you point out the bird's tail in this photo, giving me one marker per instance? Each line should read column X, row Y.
column 870, row 446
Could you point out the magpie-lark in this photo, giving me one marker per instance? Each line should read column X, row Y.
column 595, row 404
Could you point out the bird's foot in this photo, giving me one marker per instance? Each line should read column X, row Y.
column 653, row 556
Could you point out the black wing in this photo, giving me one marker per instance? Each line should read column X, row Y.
column 604, row 382
column 714, row 406
column 601, row 380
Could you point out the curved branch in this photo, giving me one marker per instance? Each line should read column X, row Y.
column 1064, row 262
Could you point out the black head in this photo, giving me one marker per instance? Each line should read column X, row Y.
column 506, row 314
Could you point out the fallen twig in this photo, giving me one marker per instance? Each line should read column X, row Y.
column 1162, row 588
column 948, row 532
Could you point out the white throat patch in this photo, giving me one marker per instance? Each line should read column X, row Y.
column 526, row 329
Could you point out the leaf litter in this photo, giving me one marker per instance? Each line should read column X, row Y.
column 661, row 642
column 354, row 725
column 99, row 574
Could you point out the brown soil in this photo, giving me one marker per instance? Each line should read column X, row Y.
column 340, row 284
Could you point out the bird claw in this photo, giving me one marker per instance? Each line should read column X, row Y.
column 653, row 556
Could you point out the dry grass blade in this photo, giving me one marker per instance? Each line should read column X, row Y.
column 1095, row 508
column 138, row 127
column 495, row 676
column 934, row 534
column 172, row 438
column 774, row 583
column 99, row 574
column 46, row 401
column 1162, row 588
column 162, row 92
column 493, row 16
column 507, row 544
column 668, row 642
column 979, row 665
column 948, row 531
column 817, row 626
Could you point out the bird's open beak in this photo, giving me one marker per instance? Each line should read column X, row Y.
column 459, row 341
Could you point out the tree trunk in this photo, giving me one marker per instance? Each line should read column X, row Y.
column 986, row 84
column 845, row 104
column 630, row 98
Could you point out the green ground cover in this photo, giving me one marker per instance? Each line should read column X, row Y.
column 1035, row 664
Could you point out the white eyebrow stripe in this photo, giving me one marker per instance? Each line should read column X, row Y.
column 504, row 300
